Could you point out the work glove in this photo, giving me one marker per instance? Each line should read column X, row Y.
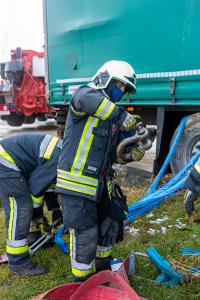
column 129, row 122
column 57, row 216
column 190, row 198
column 111, row 230
column 137, row 153
column 38, row 214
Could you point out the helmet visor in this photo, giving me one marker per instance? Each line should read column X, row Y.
column 131, row 85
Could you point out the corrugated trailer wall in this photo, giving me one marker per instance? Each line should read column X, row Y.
column 161, row 39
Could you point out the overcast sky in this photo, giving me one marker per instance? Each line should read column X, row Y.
column 21, row 25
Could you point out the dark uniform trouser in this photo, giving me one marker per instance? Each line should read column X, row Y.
column 84, row 217
column 17, row 204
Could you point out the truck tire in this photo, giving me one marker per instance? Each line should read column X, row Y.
column 188, row 145
column 61, row 116
column 14, row 120
column 42, row 118
column 29, row 120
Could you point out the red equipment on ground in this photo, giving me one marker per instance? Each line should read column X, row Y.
column 105, row 285
column 22, row 88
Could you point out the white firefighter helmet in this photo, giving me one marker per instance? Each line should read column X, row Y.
column 116, row 70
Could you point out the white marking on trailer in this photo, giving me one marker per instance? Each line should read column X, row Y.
column 139, row 76
column 71, row 80
column 72, row 88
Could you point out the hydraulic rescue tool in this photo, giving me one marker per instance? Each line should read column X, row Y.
column 47, row 237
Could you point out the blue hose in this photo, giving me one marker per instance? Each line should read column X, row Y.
column 154, row 198
column 169, row 156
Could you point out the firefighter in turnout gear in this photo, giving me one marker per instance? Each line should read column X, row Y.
column 28, row 166
column 192, row 185
column 84, row 179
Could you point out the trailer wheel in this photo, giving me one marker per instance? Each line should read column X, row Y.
column 14, row 120
column 29, row 120
column 188, row 145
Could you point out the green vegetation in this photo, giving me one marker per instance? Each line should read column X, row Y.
column 166, row 228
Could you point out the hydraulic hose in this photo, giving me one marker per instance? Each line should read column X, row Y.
column 154, row 198
column 169, row 156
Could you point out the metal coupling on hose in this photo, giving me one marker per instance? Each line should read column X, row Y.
column 141, row 137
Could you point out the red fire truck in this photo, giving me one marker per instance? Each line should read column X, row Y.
column 22, row 88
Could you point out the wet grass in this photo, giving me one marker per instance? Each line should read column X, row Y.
column 140, row 235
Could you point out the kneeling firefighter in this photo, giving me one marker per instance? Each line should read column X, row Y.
column 28, row 166
column 192, row 185
column 92, row 209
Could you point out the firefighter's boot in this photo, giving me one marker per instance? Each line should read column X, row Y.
column 29, row 269
column 102, row 264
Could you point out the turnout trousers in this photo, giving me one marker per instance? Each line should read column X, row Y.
column 83, row 217
column 17, row 205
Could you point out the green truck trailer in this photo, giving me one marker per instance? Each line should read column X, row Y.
column 161, row 39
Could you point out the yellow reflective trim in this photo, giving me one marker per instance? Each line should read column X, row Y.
column 79, row 175
column 109, row 112
column 87, row 148
column 19, row 250
column 82, row 273
column 70, row 242
column 89, row 120
column 50, row 148
column 79, row 184
column 89, row 184
column 37, row 200
column 78, row 113
column 6, row 156
column 103, row 254
column 101, row 107
column 52, row 186
column 76, row 189
column 105, row 109
column 197, row 167
column 11, row 218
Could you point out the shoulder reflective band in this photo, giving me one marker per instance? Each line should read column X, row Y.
column 37, row 201
column 78, row 113
column 47, row 146
column 105, row 109
column 84, row 145
column 7, row 160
